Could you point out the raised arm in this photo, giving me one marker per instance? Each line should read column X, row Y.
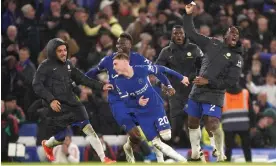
column 82, row 79
column 189, row 28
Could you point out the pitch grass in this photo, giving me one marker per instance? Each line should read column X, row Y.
column 136, row 164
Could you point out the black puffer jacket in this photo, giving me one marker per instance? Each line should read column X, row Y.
column 221, row 65
column 54, row 79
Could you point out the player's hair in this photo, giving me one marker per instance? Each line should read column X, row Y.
column 177, row 27
column 126, row 36
column 121, row 56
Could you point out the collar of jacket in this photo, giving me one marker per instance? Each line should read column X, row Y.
column 174, row 46
column 237, row 48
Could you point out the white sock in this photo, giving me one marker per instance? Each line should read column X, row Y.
column 212, row 142
column 52, row 142
column 159, row 155
column 167, row 150
column 219, row 140
column 195, row 136
column 128, row 146
column 129, row 152
column 94, row 141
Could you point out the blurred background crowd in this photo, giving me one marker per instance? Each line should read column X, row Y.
column 91, row 28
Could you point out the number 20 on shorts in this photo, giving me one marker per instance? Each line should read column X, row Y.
column 163, row 121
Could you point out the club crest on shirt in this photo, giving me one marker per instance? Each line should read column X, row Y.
column 68, row 66
column 140, row 80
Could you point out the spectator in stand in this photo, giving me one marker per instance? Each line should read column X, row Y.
column 12, row 108
column 52, row 21
column 104, row 47
column 205, row 30
column 125, row 15
column 263, row 34
column 11, row 82
column 108, row 21
column 9, row 132
column 10, row 43
column 26, row 70
column 255, row 74
column 140, row 25
column 200, row 16
column 265, row 136
column 269, row 89
column 29, row 34
column 11, row 16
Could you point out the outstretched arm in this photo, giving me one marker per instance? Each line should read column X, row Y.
column 80, row 78
column 92, row 73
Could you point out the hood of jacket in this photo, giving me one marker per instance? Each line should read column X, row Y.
column 52, row 46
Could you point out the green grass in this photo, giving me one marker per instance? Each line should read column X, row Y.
column 137, row 164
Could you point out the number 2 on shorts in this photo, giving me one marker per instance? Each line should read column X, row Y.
column 212, row 107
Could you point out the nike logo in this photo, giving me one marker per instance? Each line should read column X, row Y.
column 114, row 76
column 55, row 69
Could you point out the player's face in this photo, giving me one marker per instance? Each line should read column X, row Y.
column 61, row 52
column 123, row 44
column 119, row 66
column 232, row 37
column 178, row 36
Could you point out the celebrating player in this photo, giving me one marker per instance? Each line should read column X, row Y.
column 118, row 108
column 220, row 69
column 136, row 91
column 53, row 83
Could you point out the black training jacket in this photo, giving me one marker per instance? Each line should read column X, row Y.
column 221, row 65
column 180, row 58
column 55, row 80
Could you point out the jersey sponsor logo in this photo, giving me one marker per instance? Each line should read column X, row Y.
column 239, row 64
column 140, row 80
column 150, row 68
column 114, row 76
column 147, row 61
column 189, row 54
column 68, row 66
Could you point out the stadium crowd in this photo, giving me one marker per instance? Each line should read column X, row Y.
column 91, row 29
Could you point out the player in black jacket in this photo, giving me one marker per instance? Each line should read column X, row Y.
column 181, row 56
column 220, row 69
column 53, row 82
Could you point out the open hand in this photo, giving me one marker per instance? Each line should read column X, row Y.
column 143, row 101
column 55, row 105
column 185, row 81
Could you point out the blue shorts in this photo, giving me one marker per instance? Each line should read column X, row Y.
column 153, row 121
column 197, row 109
column 122, row 116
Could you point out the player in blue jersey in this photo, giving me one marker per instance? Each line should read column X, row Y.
column 135, row 90
column 118, row 108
